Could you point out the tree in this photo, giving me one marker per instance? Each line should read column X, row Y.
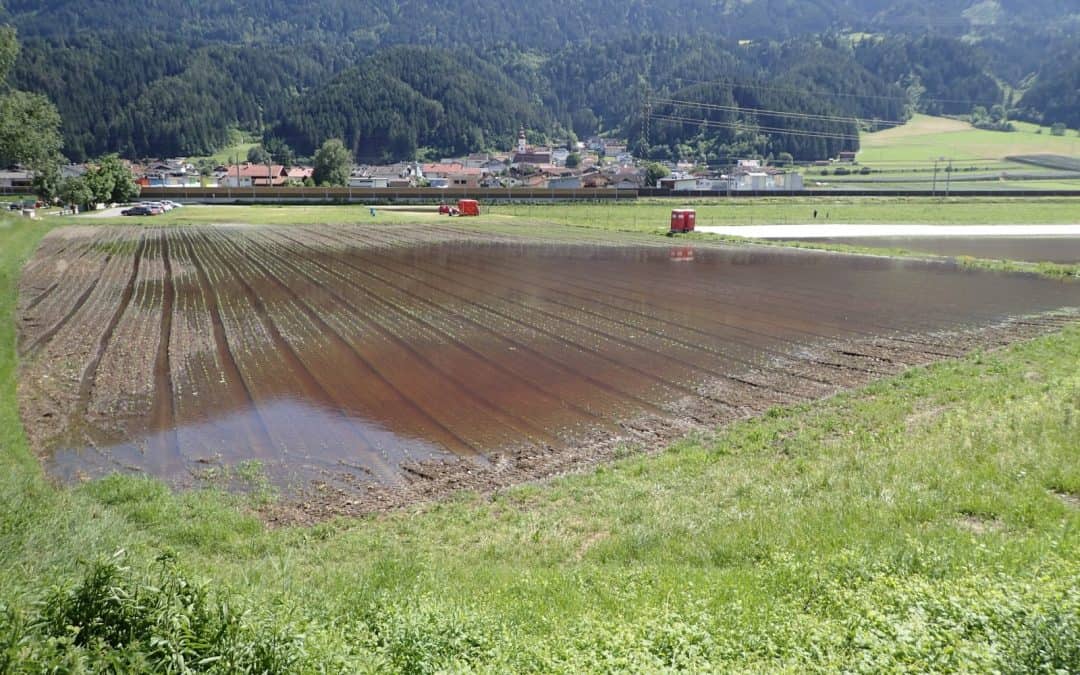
column 1057, row 129
column 111, row 181
column 9, row 50
column 280, row 152
column 29, row 130
column 573, row 160
column 654, row 172
column 47, row 182
column 76, row 192
column 785, row 159
column 258, row 155
column 29, row 123
column 332, row 163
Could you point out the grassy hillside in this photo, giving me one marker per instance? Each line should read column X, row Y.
column 926, row 138
column 927, row 522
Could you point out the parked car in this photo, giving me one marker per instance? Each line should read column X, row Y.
column 139, row 210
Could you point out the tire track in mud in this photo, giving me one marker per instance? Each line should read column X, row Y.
column 611, row 337
column 366, row 254
column 461, row 344
column 794, row 297
column 664, row 336
column 785, row 296
column 310, row 385
column 519, row 424
column 51, row 332
column 89, row 374
column 234, row 380
column 44, row 294
column 551, row 362
column 566, row 342
column 163, row 407
column 451, row 439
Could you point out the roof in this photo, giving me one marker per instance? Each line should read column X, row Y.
column 256, row 170
column 442, row 169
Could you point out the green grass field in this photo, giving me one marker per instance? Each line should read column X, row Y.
column 648, row 216
column 929, row 522
column 654, row 215
column 903, row 158
column 925, row 138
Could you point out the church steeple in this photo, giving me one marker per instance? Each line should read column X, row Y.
column 521, row 140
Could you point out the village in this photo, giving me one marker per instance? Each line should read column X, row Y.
column 594, row 163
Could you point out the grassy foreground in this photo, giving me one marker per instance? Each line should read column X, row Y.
column 925, row 523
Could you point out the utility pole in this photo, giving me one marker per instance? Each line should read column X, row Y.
column 933, row 191
column 948, row 177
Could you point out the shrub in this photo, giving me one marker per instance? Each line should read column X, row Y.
column 112, row 620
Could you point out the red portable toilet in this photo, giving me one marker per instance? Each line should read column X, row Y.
column 683, row 220
column 468, row 207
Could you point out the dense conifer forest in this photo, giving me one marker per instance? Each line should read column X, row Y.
column 397, row 80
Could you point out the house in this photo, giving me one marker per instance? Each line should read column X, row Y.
column 368, row 182
column 532, row 156
column 788, row 181
column 678, row 184
column 494, row 167
column 559, row 155
column 753, row 180
column 254, row 175
column 595, row 180
column 467, row 178
column 565, row 183
column 16, row 179
column 440, row 169
column 846, row 156
column 614, row 149
column 628, row 178
column 476, row 160
column 298, row 174
column 534, row 181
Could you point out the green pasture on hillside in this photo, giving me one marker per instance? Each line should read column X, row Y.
column 926, row 138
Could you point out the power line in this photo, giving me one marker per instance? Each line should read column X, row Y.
column 771, row 113
column 877, row 97
column 743, row 125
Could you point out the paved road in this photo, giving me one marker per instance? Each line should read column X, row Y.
column 820, row 231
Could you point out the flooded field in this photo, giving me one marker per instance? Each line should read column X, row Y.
column 1065, row 250
column 363, row 366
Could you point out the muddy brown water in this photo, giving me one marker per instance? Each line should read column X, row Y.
column 1065, row 250
column 348, row 355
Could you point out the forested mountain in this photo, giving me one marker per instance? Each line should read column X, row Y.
column 407, row 98
column 396, row 77
column 1055, row 96
column 537, row 23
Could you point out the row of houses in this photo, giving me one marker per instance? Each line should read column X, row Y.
column 746, row 175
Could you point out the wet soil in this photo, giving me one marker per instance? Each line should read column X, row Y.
column 367, row 368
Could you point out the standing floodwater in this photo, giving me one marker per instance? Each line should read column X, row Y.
column 348, row 355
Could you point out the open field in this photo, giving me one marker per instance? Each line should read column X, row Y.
column 925, row 138
column 903, row 158
column 925, row 522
